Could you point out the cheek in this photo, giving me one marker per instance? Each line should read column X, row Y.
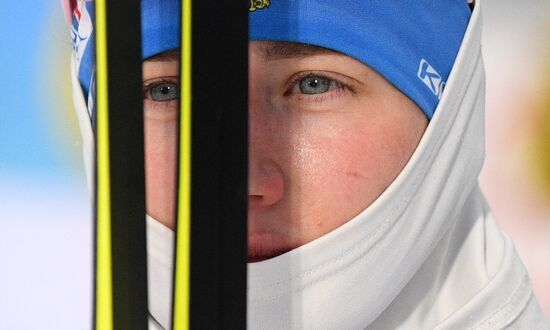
column 333, row 164
column 160, row 168
column 352, row 160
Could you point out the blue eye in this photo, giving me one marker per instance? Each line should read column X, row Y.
column 317, row 85
column 163, row 92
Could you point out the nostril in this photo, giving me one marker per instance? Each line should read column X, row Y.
column 254, row 201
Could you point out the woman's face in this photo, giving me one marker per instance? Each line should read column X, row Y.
column 327, row 135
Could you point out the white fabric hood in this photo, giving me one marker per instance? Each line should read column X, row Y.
column 160, row 252
column 427, row 254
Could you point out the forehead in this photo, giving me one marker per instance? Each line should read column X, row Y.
column 275, row 50
column 169, row 56
column 268, row 50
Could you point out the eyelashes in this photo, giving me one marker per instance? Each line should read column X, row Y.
column 307, row 87
column 314, row 86
column 164, row 89
column 161, row 98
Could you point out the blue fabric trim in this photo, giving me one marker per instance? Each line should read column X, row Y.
column 402, row 40
column 83, row 41
column 160, row 26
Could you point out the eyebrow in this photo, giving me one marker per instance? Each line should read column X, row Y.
column 171, row 55
column 290, row 50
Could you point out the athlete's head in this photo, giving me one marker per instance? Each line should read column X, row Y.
column 340, row 93
column 328, row 135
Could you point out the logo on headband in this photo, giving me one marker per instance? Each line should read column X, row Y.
column 81, row 30
column 431, row 78
column 259, row 4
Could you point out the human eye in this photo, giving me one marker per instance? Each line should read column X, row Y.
column 316, row 87
column 317, row 91
column 160, row 98
column 317, row 84
column 161, row 90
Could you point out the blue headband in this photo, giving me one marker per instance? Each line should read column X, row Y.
column 413, row 44
column 160, row 26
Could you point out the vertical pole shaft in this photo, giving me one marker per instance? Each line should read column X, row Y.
column 183, row 226
column 121, row 277
column 211, row 243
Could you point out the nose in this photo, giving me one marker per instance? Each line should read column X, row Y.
column 265, row 178
column 265, row 183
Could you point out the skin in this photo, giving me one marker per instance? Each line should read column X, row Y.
column 317, row 156
column 160, row 125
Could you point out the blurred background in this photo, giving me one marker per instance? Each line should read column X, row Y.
column 516, row 176
column 45, row 222
column 45, row 219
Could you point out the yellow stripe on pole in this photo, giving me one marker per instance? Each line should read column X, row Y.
column 183, row 241
column 104, row 279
